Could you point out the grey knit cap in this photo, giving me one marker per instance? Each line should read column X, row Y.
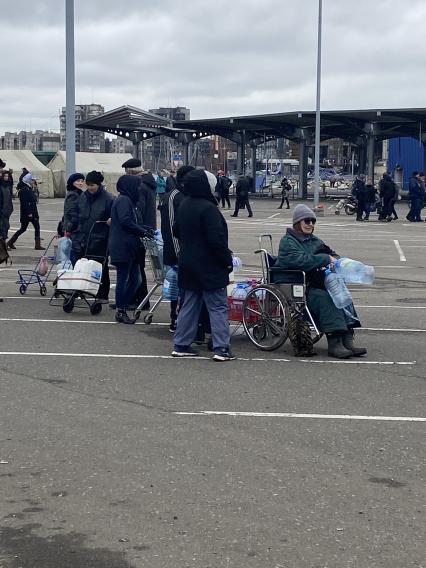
column 301, row 212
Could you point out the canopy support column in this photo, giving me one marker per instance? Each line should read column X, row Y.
column 371, row 143
column 253, row 165
column 303, row 169
column 241, row 154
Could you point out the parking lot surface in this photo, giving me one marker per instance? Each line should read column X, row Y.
column 115, row 455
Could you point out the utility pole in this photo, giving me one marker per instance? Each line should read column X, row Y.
column 70, row 87
column 318, row 110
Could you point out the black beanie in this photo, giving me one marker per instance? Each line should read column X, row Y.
column 182, row 172
column 94, row 177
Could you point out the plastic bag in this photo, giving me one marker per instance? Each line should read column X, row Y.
column 43, row 266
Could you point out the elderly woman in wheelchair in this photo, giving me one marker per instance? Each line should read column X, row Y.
column 301, row 250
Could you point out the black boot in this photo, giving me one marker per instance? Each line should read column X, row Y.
column 122, row 317
column 348, row 343
column 10, row 243
column 335, row 346
column 38, row 245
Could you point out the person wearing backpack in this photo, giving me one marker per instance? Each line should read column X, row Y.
column 285, row 189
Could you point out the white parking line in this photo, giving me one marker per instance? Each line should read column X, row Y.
column 314, row 416
column 400, row 251
column 274, row 215
column 200, row 357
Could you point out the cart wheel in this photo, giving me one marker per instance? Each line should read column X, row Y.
column 68, row 305
column 96, row 308
column 148, row 319
column 43, row 290
column 22, row 289
column 266, row 317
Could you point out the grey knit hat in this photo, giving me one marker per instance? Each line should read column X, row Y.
column 301, row 212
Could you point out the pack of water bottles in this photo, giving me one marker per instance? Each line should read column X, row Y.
column 237, row 293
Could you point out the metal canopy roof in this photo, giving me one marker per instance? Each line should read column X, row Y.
column 349, row 125
column 352, row 125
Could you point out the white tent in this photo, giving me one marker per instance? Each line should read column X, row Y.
column 108, row 164
column 18, row 159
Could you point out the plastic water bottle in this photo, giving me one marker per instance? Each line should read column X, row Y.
column 240, row 291
column 336, row 287
column 64, row 250
column 170, row 284
column 237, row 264
column 354, row 271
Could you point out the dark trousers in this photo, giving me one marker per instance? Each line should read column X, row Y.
column 4, row 226
column 128, row 281
column 225, row 197
column 362, row 208
column 284, row 198
column 240, row 204
column 24, row 226
column 142, row 290
column 415, row 210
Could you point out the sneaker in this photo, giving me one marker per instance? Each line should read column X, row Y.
column 172, row 326
column 223, row 354
column 184, row 351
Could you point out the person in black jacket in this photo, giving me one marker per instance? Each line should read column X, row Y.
column 416, row 194
column 242, row 193
column 29, row 212
column 222, row 188
column 285, row 190
column 168, row 212
column 205, row 262
column 388, row 194
column 6, row 203
column 90, row 238
column 69, row 222
column 125, row 244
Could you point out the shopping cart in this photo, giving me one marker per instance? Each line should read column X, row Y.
column 35, row 276
column 154, row 253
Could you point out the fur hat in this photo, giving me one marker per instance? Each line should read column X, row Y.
column 301, row 212
column 94, row 178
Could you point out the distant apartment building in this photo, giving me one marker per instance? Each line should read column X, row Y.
column 158, row 152
column 85, row 140
column 118, row 146
column 38, row 141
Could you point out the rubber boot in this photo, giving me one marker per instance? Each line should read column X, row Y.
column 336, row 348
column 348, row 343
column 38, row 245
column 10, row 244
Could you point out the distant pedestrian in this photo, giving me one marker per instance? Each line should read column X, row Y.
column 222, row 188
column 242, row 196
column 171, row 182
column 29, row 212
column 285, row 190
column 362, row 197
column 387, row 195
column 161, row 186
column 416, row 194
column 6, row 203
column 205, row 262
column 370, row 198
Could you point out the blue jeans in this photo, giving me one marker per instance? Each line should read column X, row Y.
column 187, row 322
column 128, row 281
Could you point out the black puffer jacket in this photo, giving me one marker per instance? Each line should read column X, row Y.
column 146, row 205
column 28, row 200
column 71, row 211
column 93, row 207
column 205, row 260
column 126, row 230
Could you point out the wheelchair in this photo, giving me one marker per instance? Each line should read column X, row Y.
column 272, row 313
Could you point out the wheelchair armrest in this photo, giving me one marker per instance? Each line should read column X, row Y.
column 287, row 276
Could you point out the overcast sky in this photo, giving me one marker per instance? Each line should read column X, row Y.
column 217, row 57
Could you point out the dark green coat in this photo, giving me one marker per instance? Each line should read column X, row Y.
column 299, row 252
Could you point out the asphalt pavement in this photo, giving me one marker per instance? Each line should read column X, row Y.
column 115, row 455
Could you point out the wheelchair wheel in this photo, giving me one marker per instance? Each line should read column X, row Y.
column 266, row 317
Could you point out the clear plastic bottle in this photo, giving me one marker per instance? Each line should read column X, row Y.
column 354, row 271
column 170, row 284
column 237, row 264
column 336, row 287
column 240, row 291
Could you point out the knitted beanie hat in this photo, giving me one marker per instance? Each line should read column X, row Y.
column 301, row 212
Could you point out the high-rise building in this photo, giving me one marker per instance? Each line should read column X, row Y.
column 38, row 141
column 158, row 152
column 85, row 140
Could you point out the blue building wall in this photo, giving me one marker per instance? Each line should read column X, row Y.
column 408, row 153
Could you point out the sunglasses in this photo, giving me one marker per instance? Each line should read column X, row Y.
column 310, row 221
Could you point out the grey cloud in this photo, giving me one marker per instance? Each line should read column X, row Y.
column 218, row 58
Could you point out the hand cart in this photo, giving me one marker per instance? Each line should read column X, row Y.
column 31, row 277
column 154, row 253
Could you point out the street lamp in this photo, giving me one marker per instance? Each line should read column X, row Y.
column 70, row 88
column 318, row 111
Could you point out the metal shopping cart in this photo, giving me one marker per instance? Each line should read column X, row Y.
column 39, row 275
column 154, row 253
